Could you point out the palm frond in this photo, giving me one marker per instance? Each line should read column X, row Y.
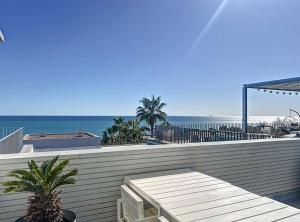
column 65, row 179
column 50, row 164
column 161, row 106
column 56, row 171
column 23, row 175
column 18, row 186
column 34, row 168
column 68, row 181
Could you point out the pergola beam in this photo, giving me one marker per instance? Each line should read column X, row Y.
column 291, row 84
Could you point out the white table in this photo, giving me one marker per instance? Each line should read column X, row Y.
column 186, row 195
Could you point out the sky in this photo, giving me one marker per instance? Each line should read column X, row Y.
column 100, row 57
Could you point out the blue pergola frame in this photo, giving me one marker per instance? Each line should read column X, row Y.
column 290, row 85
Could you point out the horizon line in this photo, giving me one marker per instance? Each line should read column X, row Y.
column 134, row 115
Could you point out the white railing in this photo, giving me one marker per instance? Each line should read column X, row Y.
column 6, row 131
column 234, row 126
column 11, row 140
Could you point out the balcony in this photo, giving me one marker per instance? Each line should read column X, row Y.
column 265, row 167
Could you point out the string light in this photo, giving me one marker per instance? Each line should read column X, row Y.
column 278, row 92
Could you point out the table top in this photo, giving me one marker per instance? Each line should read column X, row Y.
column 186, row 195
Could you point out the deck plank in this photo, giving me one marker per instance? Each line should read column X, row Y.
column 205, row 214
column 171, row 179
column 275, row 215
column 212, row 204
column 246, row 213
column 206, row 198
column 203, row 194
column 161, row 175
column 293, row 218
column 176, row 191
column 179, row 182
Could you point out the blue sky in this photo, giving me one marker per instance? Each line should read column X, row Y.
column 99, row 57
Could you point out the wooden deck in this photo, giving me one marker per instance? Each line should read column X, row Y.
column 186, row 195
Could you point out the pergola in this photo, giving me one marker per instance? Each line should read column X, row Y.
column 286, row 85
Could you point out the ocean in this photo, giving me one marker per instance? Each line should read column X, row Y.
column 97, row 124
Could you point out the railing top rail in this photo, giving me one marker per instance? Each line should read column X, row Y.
column 14, row 130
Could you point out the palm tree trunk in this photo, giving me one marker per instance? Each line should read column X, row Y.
column 152, row 131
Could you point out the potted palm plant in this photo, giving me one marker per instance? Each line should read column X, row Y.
column 43, row 182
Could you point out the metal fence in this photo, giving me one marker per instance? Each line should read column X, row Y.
column 192, row 134
column 231, row 126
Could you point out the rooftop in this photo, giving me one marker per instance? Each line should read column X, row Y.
column 46, row 136
column 50, row 149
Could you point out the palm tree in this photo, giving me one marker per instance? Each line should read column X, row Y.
column 124, row 132
column 109, row 136
column 43, row 181
column 105, row 138
column 119, row 120
column 122, row 128
column 135, row 132
column 151, row 112
column 166, row 123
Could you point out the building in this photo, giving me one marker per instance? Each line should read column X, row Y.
column 62, row 141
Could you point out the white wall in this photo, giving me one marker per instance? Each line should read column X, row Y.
column 264, row 167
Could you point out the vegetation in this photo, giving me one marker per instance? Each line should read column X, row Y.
column 230, row 129
column 151, row 112
column 124, row 132
column 279, row 127
column 43, row 181
column 132, row 131
column 109, row 136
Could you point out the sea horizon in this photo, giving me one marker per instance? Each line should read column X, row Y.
column 97, row 124
column 258, row 117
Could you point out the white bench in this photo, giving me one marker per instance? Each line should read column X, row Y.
column 162, row 219
column 131, row 208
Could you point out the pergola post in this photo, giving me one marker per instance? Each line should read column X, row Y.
column 245, row 113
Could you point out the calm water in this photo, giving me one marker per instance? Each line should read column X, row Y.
column 96, row 124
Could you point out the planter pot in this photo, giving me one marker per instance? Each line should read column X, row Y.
column 69, row 216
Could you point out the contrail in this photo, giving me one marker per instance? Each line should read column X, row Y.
column 209, row 24
column 1, row 37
